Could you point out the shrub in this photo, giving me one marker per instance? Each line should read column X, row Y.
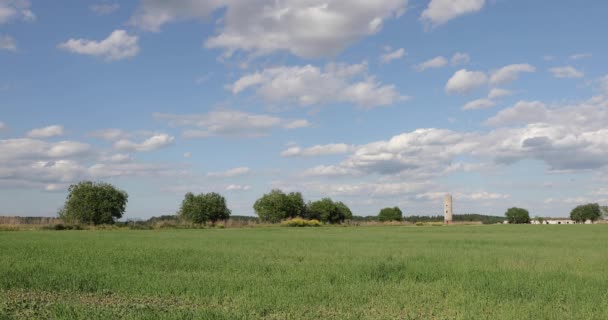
column 93, row 203
column 299, row 222
column 390, row 214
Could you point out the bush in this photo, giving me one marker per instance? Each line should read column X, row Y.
column 590, row 211
column 299, row 222
column 517, row 215
column 204, row 207
column 93, row 203
column 390, row 214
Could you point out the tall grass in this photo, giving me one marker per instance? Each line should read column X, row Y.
column 453, row 272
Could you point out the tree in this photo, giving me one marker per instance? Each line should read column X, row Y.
column 204, row 207
column 93, row 203
column 539, row 219
column 276, row 206
column 582, row 213
column 390, row 214
column 518, row 215
column 604, row 210
column 344, row 211
column 327, row 211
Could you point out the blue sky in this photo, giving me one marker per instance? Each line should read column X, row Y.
column 374, row 103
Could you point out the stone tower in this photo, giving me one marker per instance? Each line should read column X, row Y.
column 447, row 209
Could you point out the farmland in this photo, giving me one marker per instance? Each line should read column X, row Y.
column 384, row 272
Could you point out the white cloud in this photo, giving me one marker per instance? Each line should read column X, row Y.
column 230, row 123
column 8, row 43
column 441, row 11
column 471, row 196
column 479, row 104
column 464, row 81
column 15, row 9
column 118, row 45
column 521, row 113
column 104, row 8
column 312, row 28
column 153, row 143
column 235, row 172
column 29, row 149
column 3, row 126
column 309, row 85
column 579, row 56
column 110, row 134
column 393, row 55
column 498, row 93
column 46, row 132
column 460, row 58
column 510, row 73
column 238, row 187
column 435, row 63
column 318, row 150
column 566, row 72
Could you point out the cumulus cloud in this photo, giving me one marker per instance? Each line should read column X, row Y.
column 460, row 58
column 471, row 196
column 464, row 81
column 104, row 8
column 510, row 73
column 318, row 150
column 314, row 28
column 235, row 172
column 439, row 12
column 26, row 148
column 230, row 123
column 15, row 9
column 8, row 43
column 117, row 46
column 393, row 55
column 238, row 187
column 479, row 104
column 579, row 56
column 498, row 93
column 110, row 134
column 46, row 132
column 566, row 72
column 435, row 63
column 521, row 113
column 155, row 142
column 309, row 85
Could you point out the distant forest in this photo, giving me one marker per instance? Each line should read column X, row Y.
column 485, row 219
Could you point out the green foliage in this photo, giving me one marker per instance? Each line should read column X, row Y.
column 390, row 214
column 299, row 222
column 539, row 219
column 204, row 207
column 604, row 210
column 582, row 213
column 93, row 203
column 517, row 215
column 276, row 206
column 327, row 211
column 344, row 211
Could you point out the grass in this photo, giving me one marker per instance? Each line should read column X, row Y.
column 455, row 272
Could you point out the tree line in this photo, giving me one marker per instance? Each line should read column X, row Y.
column 98, row 203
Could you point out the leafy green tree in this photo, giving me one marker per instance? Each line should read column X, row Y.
column 93, row 203
column 582, row 213
column 296, row 207
column 517, row 215
column 390, row 214
column 327, row 211
column 204, row 207
column 276, row 206
column 344, row 211
column 604, row 210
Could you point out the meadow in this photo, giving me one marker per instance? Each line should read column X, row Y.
column 384, row 272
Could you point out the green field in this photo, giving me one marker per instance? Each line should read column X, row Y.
column 455, row 272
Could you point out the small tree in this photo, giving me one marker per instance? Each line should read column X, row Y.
column 204, row 207
column 295, row 205
column 539, row 219
column 518, row 215
column 582, row 213
column 327, row 211
column 93, row 203
column 275, row 206
column 344, row 211
column 390, row 214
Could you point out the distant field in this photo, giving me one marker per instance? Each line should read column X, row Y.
column 455, row 272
